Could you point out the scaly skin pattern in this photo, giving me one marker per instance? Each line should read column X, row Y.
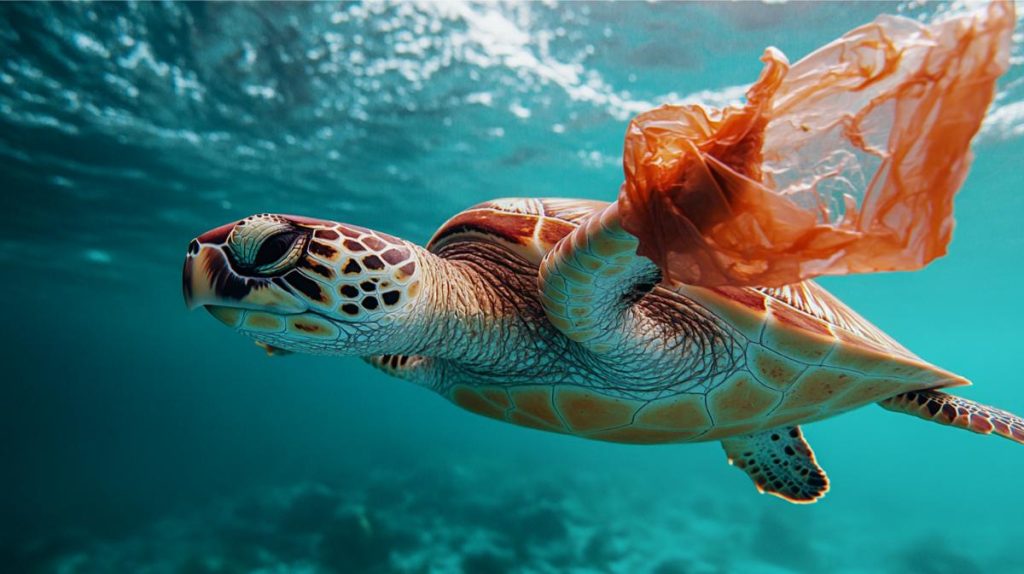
column 954, row 411
column 537, row 312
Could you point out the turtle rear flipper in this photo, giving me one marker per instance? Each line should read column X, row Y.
column 780, row 462
column 958, row 412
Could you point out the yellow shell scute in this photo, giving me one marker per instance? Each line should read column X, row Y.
column 741, row 398
column 909, row 371
column 773, row 369
column 587, row 411
column 903, row 369
column 817, row 386
column 533, row 408
column 498, row 396
column 805, row 346
column 854, row 357
column 870, row 390
column 473, row 401
column 682, row 412
column 526, row 420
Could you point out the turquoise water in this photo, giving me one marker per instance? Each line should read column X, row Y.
column 138, row 437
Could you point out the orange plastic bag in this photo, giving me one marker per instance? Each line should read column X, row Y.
column 846, row 162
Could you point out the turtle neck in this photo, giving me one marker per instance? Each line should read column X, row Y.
column 480, row 310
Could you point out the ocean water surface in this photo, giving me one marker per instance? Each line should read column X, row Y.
column 139, row 437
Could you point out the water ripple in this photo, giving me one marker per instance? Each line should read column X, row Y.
column 390, row 115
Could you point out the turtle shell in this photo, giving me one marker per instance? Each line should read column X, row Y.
column 531, row 227
column 527, row 226
column 808, row 356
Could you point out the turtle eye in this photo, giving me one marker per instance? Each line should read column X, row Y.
column 277, row 252
column 274, row 248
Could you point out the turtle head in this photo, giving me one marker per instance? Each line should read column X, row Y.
column 305, row 285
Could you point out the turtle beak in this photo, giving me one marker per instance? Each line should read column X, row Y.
column 208, row 280
column 196, row 291
column 195, row 284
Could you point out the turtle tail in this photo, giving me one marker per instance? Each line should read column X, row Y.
column 958, row 412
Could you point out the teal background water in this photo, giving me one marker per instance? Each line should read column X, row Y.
column 138, row 437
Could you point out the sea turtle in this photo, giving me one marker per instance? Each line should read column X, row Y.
column 539, row 312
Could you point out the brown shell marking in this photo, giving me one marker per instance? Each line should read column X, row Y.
column 809, row 346
column 579, row 411
column 586, row 411
column 869, row 390
column 533, row 408
column 773, row 369
column 741, row 398
column 529, row 227
column 566, row 410
column 817, row 387
column 526, row 406
column 742, row 405
column 682, row 412
column 473, row 401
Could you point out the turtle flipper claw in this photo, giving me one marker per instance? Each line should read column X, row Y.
column 780, row 462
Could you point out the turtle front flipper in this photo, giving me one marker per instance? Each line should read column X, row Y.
column 590, row 280
column 780, row 462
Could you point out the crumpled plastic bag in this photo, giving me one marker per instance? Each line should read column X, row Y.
column 846, row 162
